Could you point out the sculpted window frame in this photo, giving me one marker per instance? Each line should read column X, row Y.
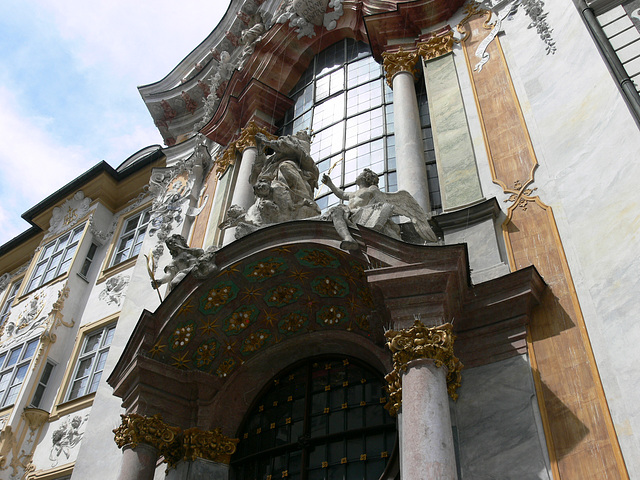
column 14, row 368
column 63, row 405
column 55, row 259
column 109, row 266
column 9, row 300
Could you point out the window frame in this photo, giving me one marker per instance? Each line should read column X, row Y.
column 10, row 298
column 62, row 406
column 81, row 355
column 115, row 249
column 12, row 369
column 73, row 238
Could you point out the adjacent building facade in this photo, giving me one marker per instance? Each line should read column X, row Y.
column 244, row 303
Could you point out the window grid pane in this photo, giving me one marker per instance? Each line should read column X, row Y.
column 55, row 259
column 91, row 363
column 14, row 371
column 131, row 237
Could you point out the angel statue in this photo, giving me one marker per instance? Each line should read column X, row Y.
column 372, row 208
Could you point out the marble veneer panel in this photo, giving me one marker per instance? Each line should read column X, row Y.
column 475, row 226
column 581, row 439
column 459, row 182
column 499, row 432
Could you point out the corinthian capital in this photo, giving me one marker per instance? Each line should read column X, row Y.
column 210, row 445
column 136, row 429
column 421, row 342
column 436, row 46
column 400, row 61
column 248, row 136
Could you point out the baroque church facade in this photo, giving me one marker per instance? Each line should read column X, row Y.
column 383, row 240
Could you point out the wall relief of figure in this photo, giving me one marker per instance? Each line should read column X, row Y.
column 66, row 437
column 114, row 288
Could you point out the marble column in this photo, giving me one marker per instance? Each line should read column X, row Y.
column 139, row 462
column 400, row 70
column 425, row 370
column 142, row 440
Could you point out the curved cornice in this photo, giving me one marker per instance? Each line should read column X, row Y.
column 279, row 58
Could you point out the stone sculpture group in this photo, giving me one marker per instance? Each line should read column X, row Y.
column 284, row 177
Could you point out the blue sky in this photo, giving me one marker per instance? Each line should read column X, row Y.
column 68, row 76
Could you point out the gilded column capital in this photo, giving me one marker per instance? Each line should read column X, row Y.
column 436, row 46
column 210, row 445
column 399, row 61
column 225, row 159
column 421, row 342
column 136, row 429
column 247, row 136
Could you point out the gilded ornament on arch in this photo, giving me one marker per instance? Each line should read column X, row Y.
column 182, row 335
column 436, row 46
column 221, row 294
column 240, row 319
column 205, row 354
column 399, row 61
column 264, row 269
column 292, row 323
column 317, row 258
column 331, row 315
column 255, row 341
column 328, row 286
column 283, row 294
column 421, row 342
column 225, row 367
column 225, row 160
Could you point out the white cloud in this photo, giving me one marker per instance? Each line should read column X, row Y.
column 140, row 40
column 33, row 164
column 93, row 111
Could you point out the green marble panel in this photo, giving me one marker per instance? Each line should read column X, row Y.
column 459, row 182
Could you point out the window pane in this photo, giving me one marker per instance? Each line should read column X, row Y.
column 30, row 349
column 84, row 367
column 92, row 342
column 77, row 388
column 328, row 112
column 13, row 357
column 4, row 381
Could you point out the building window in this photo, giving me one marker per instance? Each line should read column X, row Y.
column 14, row 365
column 90, row 363
column 88, row 260
column 343, row 97
column 6, row 306
column 42, row 385
column 323, row 419
column 55, row 258
column 131, row 237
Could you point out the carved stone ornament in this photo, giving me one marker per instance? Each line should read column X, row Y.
column 172, row 188
column 400, row 61
column 210, row 445
column 114, row 288
column 4, row 281
column 173, row 443
column 67, row 437
column 68, row 214
column 421, row 342
column 303, row 15
column 436, row 46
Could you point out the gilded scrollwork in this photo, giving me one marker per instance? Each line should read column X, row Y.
column 436, row 46
column 173, row 443
column 399, row 61
column 421, row 342
column 136, row 429
column 210, row 445
column 247, row 136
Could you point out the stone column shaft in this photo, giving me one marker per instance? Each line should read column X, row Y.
column 410, row 163
column 243, row 190
column 138, row 463
column 426, row 443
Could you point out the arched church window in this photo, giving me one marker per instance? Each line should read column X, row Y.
column 343, row 97
column 320, row 420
